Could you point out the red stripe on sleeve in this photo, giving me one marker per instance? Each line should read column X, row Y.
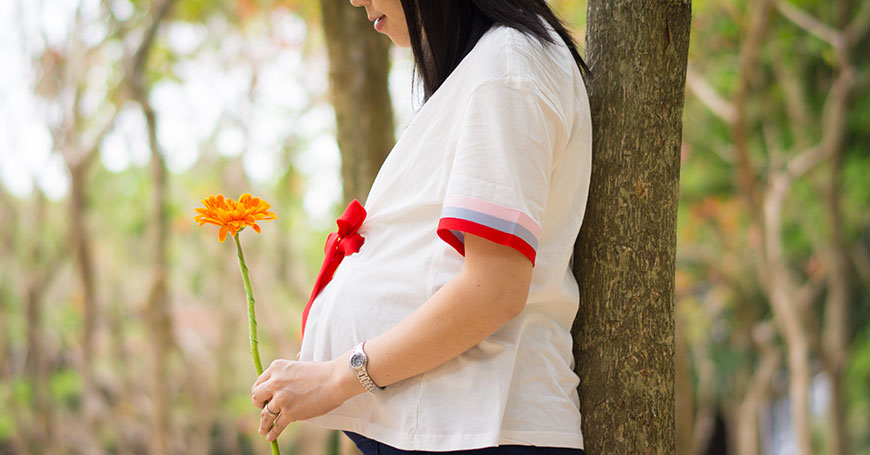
column 494, row 235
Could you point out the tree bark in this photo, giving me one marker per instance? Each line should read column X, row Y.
column 625, row 254
column 359, row 64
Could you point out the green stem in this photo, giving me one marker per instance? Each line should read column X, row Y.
column 252, row 322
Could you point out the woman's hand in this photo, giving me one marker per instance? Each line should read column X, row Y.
column 301, row 390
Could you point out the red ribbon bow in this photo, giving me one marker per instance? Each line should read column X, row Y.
column 344, row 242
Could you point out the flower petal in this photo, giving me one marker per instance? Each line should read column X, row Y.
column 231, row 216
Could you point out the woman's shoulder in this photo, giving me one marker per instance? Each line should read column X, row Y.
column 506, row 52
column 509, row 58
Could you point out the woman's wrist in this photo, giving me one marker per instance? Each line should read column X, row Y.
column 344, row 380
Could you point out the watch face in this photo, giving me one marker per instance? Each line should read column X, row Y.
column 358, row 360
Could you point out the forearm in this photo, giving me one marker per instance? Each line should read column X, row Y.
column 461, row 314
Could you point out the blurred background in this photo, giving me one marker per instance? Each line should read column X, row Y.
column 123, row 328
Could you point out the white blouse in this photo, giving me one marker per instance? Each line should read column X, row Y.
column 501, row 150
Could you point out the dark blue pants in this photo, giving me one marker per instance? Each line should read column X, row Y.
column 371, row 447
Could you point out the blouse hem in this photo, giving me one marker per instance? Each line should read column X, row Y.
column 447, row 442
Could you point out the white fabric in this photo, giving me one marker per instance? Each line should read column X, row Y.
column 508, row 131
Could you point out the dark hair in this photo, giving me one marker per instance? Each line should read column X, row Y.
column 453, row 27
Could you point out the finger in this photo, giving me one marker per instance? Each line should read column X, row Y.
column 262, row 378
column 267, row 373
column 261, row 395
column 266, row 419
column 280, row 423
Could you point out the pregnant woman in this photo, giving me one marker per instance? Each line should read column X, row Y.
column 446, row 328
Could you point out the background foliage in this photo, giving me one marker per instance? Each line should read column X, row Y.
column 239, row 96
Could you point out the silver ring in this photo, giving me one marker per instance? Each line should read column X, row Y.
column 274, row 414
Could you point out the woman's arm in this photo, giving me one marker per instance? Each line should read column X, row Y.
column 490, row 290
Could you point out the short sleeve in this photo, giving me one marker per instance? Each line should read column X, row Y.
column 500, row 176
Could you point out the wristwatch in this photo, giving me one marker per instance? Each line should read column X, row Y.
column 358, row 362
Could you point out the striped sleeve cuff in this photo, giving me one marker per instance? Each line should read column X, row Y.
column 494, row 222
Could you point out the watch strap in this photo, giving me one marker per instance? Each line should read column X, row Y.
column 361, row 371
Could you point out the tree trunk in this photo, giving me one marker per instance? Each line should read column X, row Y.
column 80, row 241
column 158, row 316
column 625, row 254
column 36, row 368
column 157, row 312
column 359, row 63
column 787, row 314
column 684, row 397
column 836, row 328
column 758, row 392
column 121, row 359
column 835, row 342
column 705, row 400
column 8, row 242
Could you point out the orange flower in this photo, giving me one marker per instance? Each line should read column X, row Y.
column 233, row 216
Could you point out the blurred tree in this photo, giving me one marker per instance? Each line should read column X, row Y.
column 43, row 266
column 359, row 67
column 782, row 135
column 65, row 79
column 76, row 135
column 624, row 257
column 359, row 63
column 157, row 314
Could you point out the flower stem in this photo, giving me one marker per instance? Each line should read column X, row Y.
column 252, row 321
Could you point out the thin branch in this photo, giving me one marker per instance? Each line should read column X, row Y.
column 708, row 95
column 749, row 70
column 77, row 18
column 812, row 289
column 160, row 13
column 89, row 152
column 45, row 264
column 812, row 25
column 113, row 19
column 833, row 121
column 861, row 261
column 774, row 147
column 804, row 161
column 860, row 25
column 726, row 153
column 763, row 334
column 796, row 106
column 9, row 211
